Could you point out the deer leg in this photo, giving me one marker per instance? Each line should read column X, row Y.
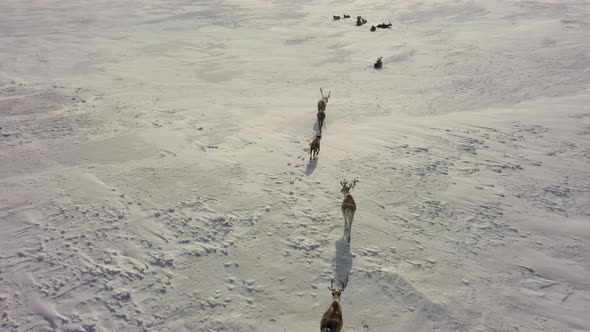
column 349, row 230
column 345, row 221
column 348, row 218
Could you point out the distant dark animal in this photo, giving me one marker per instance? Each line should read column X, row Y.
column 336, row 18
column 373, row 28
column 364, row 21
column 385, row 26
column 321, row 118
column 314, row 147
column 346, row 16
column 378, row 64
column 332, row 319
column 359, row 21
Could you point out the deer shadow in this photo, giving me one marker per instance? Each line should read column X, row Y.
column 316, row 127
column 342, row 260
column 311, row 167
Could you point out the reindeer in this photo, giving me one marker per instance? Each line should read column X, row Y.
column 385, row 26
column 346, row 16
column 359, row 21
column 348, row 206
column 321, row 118
column 332, row 318
column 336, row 18
column 314, row 147
column 322, row 103
column 378, row 64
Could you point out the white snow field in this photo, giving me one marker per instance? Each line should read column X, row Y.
column 155, row 175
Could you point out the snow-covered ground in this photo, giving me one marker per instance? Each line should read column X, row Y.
column 154, row 169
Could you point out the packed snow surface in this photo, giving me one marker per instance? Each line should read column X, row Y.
column 155, row 173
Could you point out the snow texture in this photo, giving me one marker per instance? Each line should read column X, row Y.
column 154, row 169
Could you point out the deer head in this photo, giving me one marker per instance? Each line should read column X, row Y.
column 336, row 292
column 347, row 186
column 325, row 98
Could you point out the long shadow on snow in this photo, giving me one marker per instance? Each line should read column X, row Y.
column 316, row 127
column 342, row 260
column 311, row 167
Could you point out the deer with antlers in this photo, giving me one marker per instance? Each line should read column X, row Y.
column 348, row 206
column 322, row 103
column 332, row 318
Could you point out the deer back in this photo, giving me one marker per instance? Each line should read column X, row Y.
column 348, row 203
column 315, row 143
column 332, row 318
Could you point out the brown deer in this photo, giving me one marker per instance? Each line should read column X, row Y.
column 378, row 64
column 322, row 103
column 314, row 147
column 385, row 26
column 321, row 118
column 332, row 318
column 348, row 206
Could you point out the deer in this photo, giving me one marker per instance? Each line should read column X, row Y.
column 378, row 64
column 348, row 206
column 321, row 118
column 385, row 26
column 322, row 103
column 336, row 18
column 332, row 318
column 359, row 21
column 314, row 147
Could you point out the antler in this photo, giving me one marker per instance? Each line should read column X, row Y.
column 331, row 288
column 322, row 92
column 343, row 284
column 329, row 93
column 344, row 184
column 342, row 287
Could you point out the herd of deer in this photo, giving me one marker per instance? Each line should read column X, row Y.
column 360, row 21
column 332, row 318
